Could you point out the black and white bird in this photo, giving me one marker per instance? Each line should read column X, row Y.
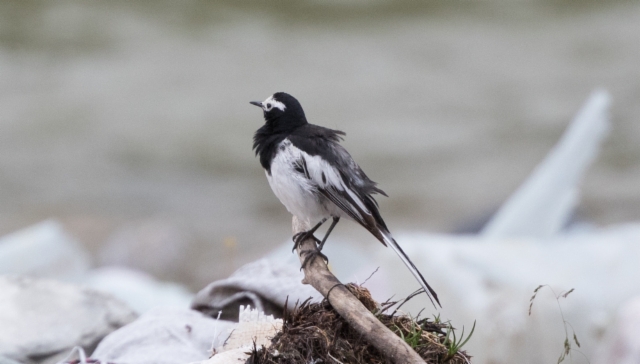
column 315, row 178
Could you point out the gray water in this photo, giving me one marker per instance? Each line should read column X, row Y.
column 119, row 117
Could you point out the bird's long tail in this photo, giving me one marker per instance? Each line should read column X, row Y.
column 388, row 240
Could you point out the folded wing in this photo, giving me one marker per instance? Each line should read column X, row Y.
column 343, row 191
column 346, row 185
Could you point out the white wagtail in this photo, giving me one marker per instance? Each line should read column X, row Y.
column 315, row 178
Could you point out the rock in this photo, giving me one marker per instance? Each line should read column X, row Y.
column 621, row 344
column 41, row 319
column 43, row 250
column 5, row 360
column 138, row 289
column 264, row 284
column 253, row 328
column 234, row 356
column 164, row 335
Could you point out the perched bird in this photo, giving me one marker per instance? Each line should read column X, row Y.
column 315, row 178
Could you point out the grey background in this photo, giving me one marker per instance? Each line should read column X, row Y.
column 130, row 122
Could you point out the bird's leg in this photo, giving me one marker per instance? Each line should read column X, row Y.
column 333, row 224
column 301, row 236
column 318, row 251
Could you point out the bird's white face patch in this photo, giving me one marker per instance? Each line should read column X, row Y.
column 270, row 103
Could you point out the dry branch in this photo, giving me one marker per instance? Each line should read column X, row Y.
column 349, row 307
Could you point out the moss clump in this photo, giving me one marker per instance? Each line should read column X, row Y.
column 315, row 333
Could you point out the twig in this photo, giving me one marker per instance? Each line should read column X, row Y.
column 347, row 305
column 370, row 275
column 337, row 361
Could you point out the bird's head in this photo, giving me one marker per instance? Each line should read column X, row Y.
column 282, row 111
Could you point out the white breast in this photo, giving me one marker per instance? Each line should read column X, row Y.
column 293, row 189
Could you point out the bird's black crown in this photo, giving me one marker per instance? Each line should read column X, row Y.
column 282, row 112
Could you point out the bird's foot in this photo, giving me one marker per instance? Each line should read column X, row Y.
column 302, row 236
column 311, row 255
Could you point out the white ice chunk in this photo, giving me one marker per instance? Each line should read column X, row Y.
column 43, row 250
column 543, row 204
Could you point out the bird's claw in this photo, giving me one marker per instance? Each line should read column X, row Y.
column 302, row 236
column 310, row 255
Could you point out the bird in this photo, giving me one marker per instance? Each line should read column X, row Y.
column 316, row 178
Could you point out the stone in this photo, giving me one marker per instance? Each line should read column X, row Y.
column 621, row 344
column 43, row 250
column 253, row 328
column 164, row 336
column 138, row 289
column 42, row 319
column 5, row 360
column 265, row 284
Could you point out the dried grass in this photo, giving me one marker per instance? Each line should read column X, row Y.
column 315, row 333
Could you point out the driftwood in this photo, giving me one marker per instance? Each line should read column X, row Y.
column 347, row 305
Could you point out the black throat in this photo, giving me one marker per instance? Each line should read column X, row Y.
column 275, row 130
column 265, row 143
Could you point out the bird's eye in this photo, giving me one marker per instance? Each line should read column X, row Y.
column 268, row 106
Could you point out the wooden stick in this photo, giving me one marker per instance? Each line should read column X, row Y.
column 347, row 305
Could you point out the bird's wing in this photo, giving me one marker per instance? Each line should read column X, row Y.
column 344, row 184
column 330, row 181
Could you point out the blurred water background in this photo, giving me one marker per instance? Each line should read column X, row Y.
column 130, row 122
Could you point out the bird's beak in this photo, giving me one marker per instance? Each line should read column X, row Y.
column 257, row 103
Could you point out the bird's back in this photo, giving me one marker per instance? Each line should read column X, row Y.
column 319, row 141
